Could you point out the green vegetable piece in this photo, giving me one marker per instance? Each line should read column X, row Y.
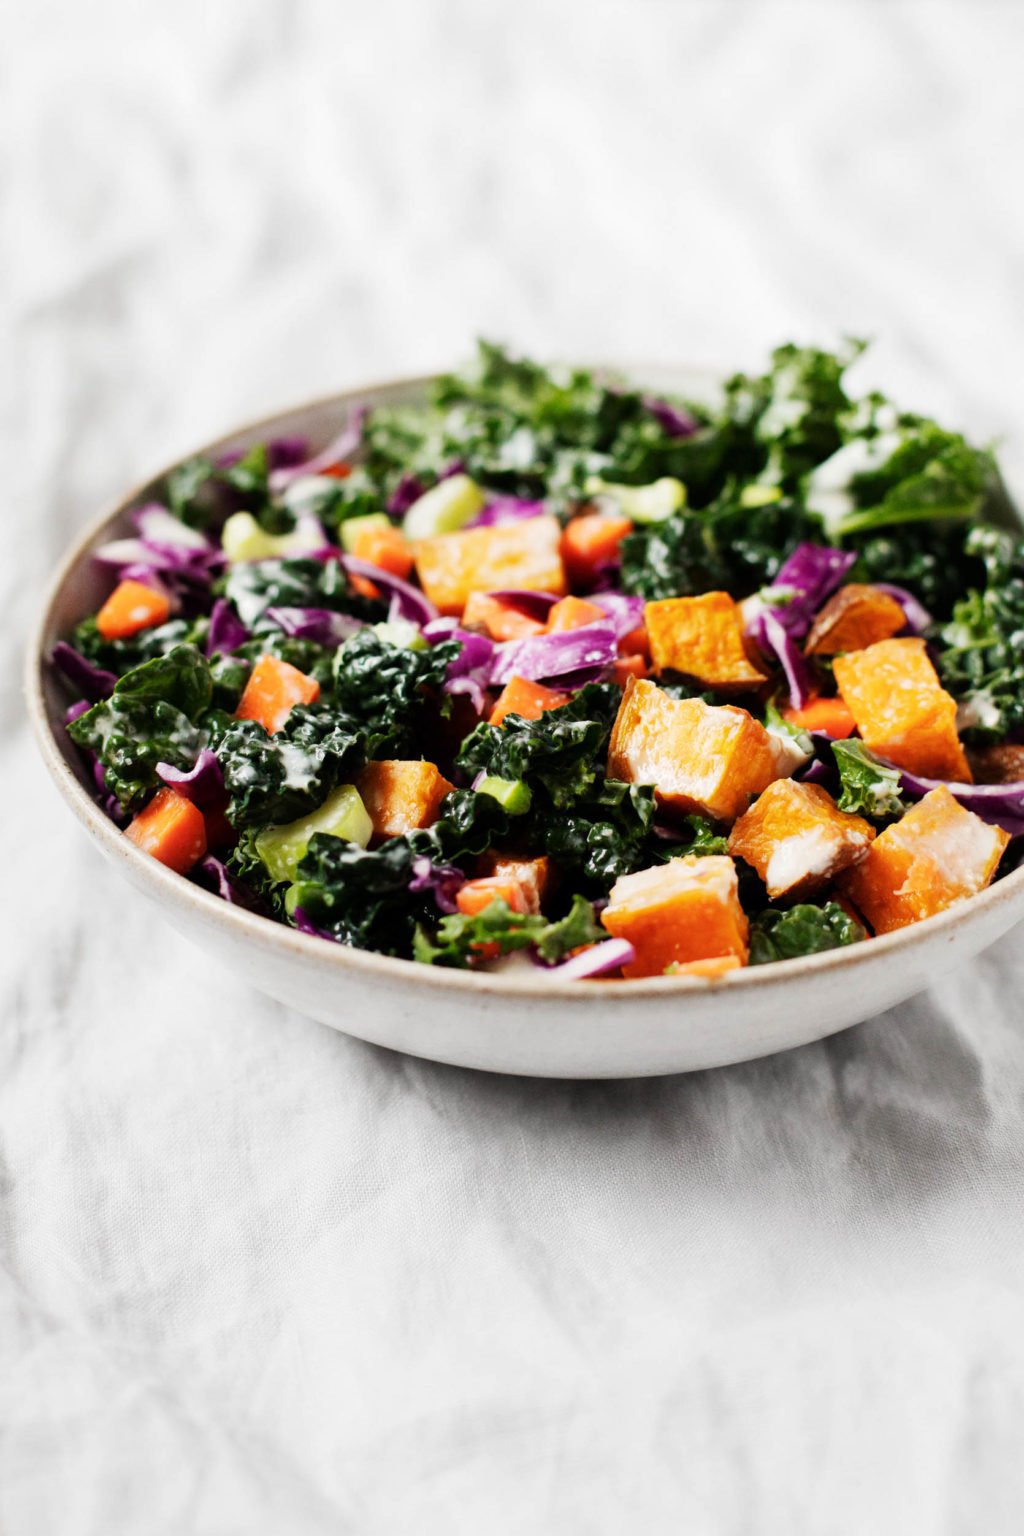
column 870, row 788
column 803, row 930
column 513, row 795
column 760, row 495
column 642, row 503
column 244, row 539
column 352, row 527
column 401, row 632
column 342, row 814
column 458, row 939
column 445, row 508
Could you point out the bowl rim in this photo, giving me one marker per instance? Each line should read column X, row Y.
column 355, row 962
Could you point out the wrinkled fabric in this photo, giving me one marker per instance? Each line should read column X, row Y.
column 255, row 1276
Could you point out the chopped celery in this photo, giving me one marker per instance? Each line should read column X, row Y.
column 445, row 508
column 342, row 814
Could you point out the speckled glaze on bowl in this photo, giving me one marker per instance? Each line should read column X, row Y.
column 521, row 1022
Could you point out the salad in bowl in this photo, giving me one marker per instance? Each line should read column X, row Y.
column 551, row 671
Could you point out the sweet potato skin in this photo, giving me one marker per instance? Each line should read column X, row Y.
column 401, row 796
column 700, row 757
column 683, row 911
column 902, row 710
column 855, row 617
column 937, row 854
column 1002, row 764
column 454, row 565
column 797, row 839
column 701, row 637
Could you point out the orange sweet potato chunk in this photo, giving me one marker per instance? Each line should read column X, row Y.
column 853, row 618
column 935, row 855
column 700, row 757
column 400, row 796
column 679, row 912
column 703, row 638
column 452, row 566
column 532, row 876
column 797, row 839
column 902, row 710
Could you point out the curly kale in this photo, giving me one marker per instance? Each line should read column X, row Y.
column 803, row 930
column 460, row 941
column 563, row 752
column 982, row 657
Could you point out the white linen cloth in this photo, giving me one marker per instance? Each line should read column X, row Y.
column 257, row 1277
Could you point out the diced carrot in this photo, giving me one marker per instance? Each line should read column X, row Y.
column 171, row 830
column 387, row 548
column 830, row 716
column 476, row 895
column 636, row 643
column 589, row 542
column 520, row 697
column 131, row 607
column 573, row 613
column 339, row 471
column 501, row 620
column 272, row 692
column 401, row 795
column 626, row 667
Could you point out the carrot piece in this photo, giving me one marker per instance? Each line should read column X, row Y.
column 703, row 638
column 401, row 795
column 339, row 471
column 501, row 620
column 589, row 542
column 171, row 830
column 131, row 607
column 636, row 643
column 626, row 667
column 830, row 716
column 532, row 876
column 520, row 697
column 572, row 613
column 387, row 548
column 476, row 895
column 273, row 690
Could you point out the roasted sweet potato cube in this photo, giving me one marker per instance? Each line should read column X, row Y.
column 935, row 855
column 401, row 796
column 531, row 875
column 902, row 710
column 797, row 839
column 853, row 618
column 702, row 637
column 675, row 913
column 526, row 554
column 700, row 757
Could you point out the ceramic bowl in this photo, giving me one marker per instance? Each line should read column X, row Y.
column 521, row 1022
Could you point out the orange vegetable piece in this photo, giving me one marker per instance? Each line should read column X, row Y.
column 589, row 542
column 131, row 607
column 675, row 913
column 797, row 839
column 532, row 876
column 935, row 855
column 854, row 617
column 400, row 796
column 625, row 667
column 703, row 638
column 501, row 620
column 830, row 716
column 521, row 697
column 272, row 692
column 387, row 548
column 901, row 709
column 699, row 757
column 454, row 565
column 476, row 895
column 171, row 830
column 720, row 965
column 572, row 613
column 636, row 643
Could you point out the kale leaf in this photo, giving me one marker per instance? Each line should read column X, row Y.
column 120, row 656
column 393, row 690
column 982, row 660
column 458, row 939
column 149, row 718
column 253, row 586
column 803, row 930
column 360, row 897
column 601, row 836
column 275, row 779
column 563, row 751
column 869, row 788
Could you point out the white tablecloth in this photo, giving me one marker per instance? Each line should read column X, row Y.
column 256, row 1277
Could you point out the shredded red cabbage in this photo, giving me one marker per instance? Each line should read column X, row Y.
column 93, row 682
column 506, row 509
column 348, row 442
column 917, row 616
column 573, row 657
column 443, row 881
column 770, row 635
column 408, row 491
column 215, row 876
column 321, row 625
column 598, row 960
column 407, row 602
column 203, row 783
column 673, row 420
column 535, row 605
column 624, row 611
column 226, row 632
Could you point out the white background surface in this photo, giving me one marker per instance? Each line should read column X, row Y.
column 259, row 1278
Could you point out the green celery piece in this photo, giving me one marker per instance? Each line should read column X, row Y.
column 342, row 814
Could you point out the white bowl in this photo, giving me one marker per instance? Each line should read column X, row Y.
column 520, row 1022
